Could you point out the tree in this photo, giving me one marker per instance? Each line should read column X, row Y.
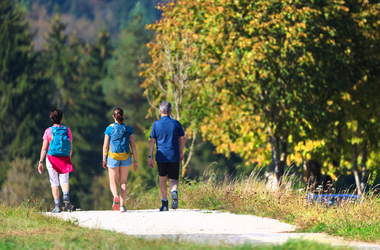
column 173, row 75
column 15, row 52
column 352, row 109
column 122, row 84
column 89, row 16
column 23, row 182
column 74, row 70
column 275, row 68
column 22, row 94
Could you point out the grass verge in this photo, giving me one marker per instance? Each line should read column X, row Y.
column 24, row 227
column 250, row 195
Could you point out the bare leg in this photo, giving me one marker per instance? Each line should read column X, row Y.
column 55, row 192
column 173, row 184
column 65, row 187
column 163, row 187
column 123, row 184
column 174, row 195
column 114, row 177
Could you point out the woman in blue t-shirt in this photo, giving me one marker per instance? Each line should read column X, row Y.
column 118, row 144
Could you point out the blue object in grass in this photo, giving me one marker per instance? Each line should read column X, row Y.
column 332, row 199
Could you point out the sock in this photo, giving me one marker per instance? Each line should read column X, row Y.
column 174, row 190
column 164, row 199
column 57, row 202
column 66, row 193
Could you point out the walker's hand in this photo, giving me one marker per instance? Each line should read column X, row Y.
column 105, row 164
column 181, row 157
column 135, row 166
column 151, row 163
column 40, row 168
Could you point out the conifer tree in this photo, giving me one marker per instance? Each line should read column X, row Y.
column 16, row 61
column 91, row 106
column 122, row 85
column 21, row 93
column 74, row 70
column 15, row 49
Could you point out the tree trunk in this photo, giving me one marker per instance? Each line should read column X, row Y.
column 364, row 167
column 355, row 167
column 186, row 163
column 314, row 174
column 339, row 146
column 337, row 151
column 273, row 163
column 306, row 174
column 282, row 163
column 275, row 159
column 279, row 160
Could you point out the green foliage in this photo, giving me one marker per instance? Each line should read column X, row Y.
column 73, row 71
column 205, row 159
column 85, row 83
column 22, row 94
column 116, row 12
column 122, row 84
column 174, row 75
column 22, row 181
column 275, row 74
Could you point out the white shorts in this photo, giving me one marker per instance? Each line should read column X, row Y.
column 53, row 175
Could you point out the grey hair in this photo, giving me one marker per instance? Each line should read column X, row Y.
column 165, row 107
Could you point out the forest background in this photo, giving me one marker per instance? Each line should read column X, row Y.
column 287, row 104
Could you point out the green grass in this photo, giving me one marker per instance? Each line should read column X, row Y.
column 359, row 221
column 24, row 227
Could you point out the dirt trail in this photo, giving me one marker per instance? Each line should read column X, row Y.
column 201, row 226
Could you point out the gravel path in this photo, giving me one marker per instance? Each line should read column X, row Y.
column 199, row 225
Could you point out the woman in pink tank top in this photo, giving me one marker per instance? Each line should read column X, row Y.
column 58, row 167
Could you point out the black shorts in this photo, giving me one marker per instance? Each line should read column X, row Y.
column 170, row 169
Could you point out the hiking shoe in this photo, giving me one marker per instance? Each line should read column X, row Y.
column 165, row 206
column 66, row 200
column 122, row 209
column 115, row 205
column 57, row 209
column 174, row 199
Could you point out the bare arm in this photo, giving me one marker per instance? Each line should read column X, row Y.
column 71, row 151
column 182, row 146
column 105, row 150
column 42, row 156
column 133, row 145
column 151, row 147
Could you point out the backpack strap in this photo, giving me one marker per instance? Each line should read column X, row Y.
column 59, row 126
column 109, row 145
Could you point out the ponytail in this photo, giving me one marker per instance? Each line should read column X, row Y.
column 118, row 113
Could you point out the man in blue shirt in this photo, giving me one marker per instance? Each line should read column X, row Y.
column 169, row 138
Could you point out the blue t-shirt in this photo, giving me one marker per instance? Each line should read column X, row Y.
column 167, row 131
column 109, row 129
